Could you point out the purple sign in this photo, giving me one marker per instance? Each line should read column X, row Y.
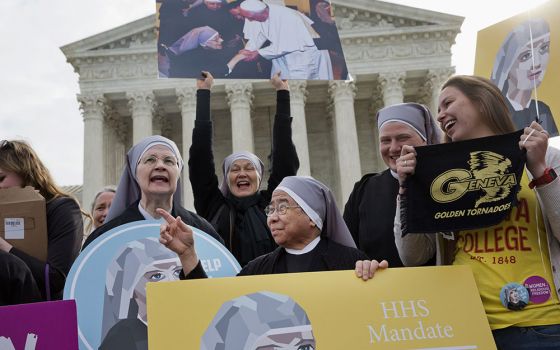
column 39, row 326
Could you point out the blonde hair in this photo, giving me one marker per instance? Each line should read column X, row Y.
column 18, row 157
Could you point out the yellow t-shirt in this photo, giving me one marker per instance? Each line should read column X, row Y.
column 511, row 266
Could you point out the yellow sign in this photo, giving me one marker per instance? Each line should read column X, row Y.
column 521, row 53
column 401, row 308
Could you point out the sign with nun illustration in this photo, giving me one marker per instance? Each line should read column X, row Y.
column 321, row 310
column 463, row 185
column 37, row 326
column 249, row 39
column 109, row 278
column 521, row 56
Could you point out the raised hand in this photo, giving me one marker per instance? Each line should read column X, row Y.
column 178, row 237
column 535, row 141
column 205, row 81
column 406, row 163
column 278, row 83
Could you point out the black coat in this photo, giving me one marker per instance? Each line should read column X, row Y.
column 211, row 204
column 132, row 214
column 370, row 213
column 327, row 256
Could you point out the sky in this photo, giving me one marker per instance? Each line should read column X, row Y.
column 38, row 87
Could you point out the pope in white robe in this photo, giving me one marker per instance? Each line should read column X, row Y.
column 292, row 50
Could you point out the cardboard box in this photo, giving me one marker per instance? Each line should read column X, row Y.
column 23, row 220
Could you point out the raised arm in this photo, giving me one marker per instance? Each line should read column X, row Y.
column 202, row 174
column 284, row 160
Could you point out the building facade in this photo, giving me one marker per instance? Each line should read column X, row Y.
column 394, row 54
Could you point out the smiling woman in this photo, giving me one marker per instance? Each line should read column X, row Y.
column 149, row 181
column 236, row 206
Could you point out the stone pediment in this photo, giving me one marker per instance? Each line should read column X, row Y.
column 355, row 18
column 362, row 18
column 131, row 38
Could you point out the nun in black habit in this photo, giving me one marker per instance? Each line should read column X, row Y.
column 304, row 222
column 236, row 206
column 370, row 209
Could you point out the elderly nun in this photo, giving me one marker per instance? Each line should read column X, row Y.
column 304, row 222
column 235, row 207
column 262, row 320
column 370, row 209
column 202, row 48
column 150, row 180
column 519, row 69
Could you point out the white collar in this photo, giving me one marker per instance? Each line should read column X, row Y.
column 394, row 173
column 305, row 249
column 146, row 215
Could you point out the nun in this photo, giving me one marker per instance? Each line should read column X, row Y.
column 202, row 48
column 304, row 222
column 150, row 180
column 235, row 207
column 370, row 209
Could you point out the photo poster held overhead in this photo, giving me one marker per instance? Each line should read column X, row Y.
column 521, row 55
column 321, row 310
column 108, row 281
column 249, row 39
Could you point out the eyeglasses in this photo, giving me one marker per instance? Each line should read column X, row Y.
column 152, row 160
column 281, row 209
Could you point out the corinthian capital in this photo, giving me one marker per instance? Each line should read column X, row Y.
column 141, row 102
column 239, row 93
column 392, row 82
column 342, row 90
column 93, row 106
column 298, row 90
column 186, row 98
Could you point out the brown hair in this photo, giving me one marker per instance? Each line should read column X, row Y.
column 487, row 98
column 18, row 157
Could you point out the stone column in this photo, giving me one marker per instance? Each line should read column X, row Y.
column 346, row 137
column 186, row 99
column 392, row 84
column 142, row 105
column 434, row 80
column 240, row 98
column 298, row 97
column 93, row 110
column 376, row 104
column 115, row 146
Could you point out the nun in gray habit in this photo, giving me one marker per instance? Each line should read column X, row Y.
column 126, row 205
column 321, row 243
column 370, row 209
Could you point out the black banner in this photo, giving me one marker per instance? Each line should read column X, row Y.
column 463, row 185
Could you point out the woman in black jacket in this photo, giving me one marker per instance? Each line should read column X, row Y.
column 236, row 206
column 24, row 278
